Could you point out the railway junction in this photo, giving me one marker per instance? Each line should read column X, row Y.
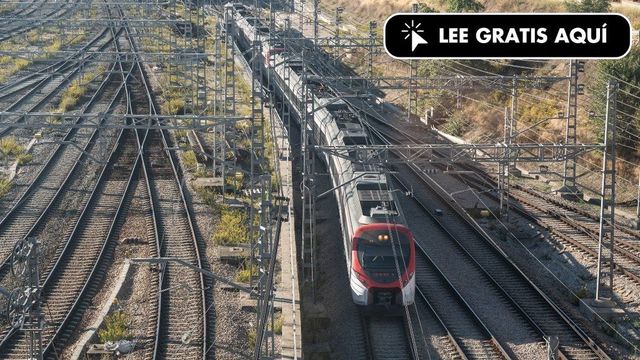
column 211, row 180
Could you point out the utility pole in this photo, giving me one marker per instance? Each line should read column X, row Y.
column 302, row 17
column 637, row 225
column 569, row 187
column 503, row 166
column 316, row 3
column 513, row 120
column 372, row 43
column 338, row 21
column 413, row 74
column 606, row 234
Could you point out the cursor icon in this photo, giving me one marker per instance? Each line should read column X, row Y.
column 416, row 40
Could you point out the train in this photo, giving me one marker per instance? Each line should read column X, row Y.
column 379, row 248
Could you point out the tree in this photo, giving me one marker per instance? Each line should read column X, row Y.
column 588, row 6
column 627, row 72
column 464, row 6
column 424, row 8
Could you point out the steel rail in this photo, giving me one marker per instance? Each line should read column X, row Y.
column 50, row 71
column 141, row 139
column 185, row 208
column 387, row 337
column 51, row 278
column 66, row 80
column 100, row 265
column 21, row 29
column 16, row 12
column 530, row 312
column 36, row 185
column 585, row 240
column 506, row 267
column 449, row 297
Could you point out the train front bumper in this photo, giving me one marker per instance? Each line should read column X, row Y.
column 365, row 296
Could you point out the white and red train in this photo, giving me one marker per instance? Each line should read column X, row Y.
column 378, row 247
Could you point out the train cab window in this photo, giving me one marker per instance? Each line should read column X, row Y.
column 372, row 186
column 355, row 140
column 383, row 254
column 296, row 67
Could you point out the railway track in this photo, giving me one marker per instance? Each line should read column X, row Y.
column 386, row 337
column 41, row 95
column 24, row 10
column 469, row 335
column 477, row 249
column 182, row 316
column 76, row 272
column 575, row 228
column 502, row 274
column 40, row 77
column 577, row 232
column 24, row 25
column 72, row 268
column 33, row 209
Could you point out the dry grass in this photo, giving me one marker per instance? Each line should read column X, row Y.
column 77, row 89
column 630, row 11
column 116, row 327
column 245, row 274
column 24, row 159
column 189, row 159
column 5, row 186
column 524, row 6
column 232, row 228
column 10, row 147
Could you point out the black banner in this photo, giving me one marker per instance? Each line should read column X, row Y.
column 507, row 36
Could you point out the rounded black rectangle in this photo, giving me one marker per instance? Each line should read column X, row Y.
column 507, row 36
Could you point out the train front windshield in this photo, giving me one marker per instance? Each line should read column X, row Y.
column 383, row 254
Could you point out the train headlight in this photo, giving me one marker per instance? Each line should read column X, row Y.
column 383, row 237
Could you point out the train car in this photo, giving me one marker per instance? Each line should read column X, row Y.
column 379, row 248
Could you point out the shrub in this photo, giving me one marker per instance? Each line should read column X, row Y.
column 20, row 64
column 588, row 6
column 245, row 274
column 115, row 327
column 73, row 93
column 174, row 106
column 580, row 294
column 232, row 228
column 207, row 196
column 190, row 160
column 5, row 186
column 9, row 146
column 251, row 336
column 54, row 47
column 464, row 6
column 181, row 133
column 456, row 125
column 24, row 159
column 277, row 325
column 235, row 182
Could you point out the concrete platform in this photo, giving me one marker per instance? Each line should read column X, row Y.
column 288, row 292
column 88, row 333
column 569, row 193
column 603, row 309
column 233, row 254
